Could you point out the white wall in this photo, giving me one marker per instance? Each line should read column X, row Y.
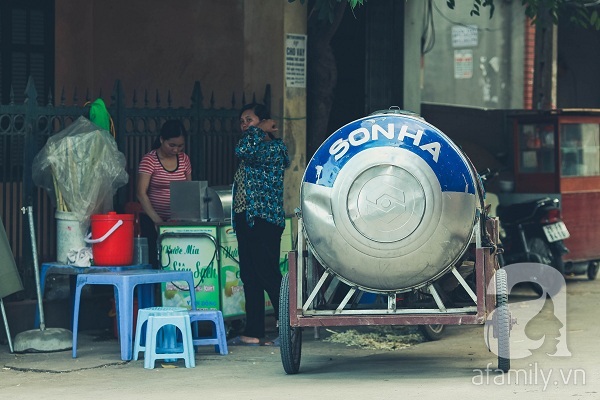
column 497, row 68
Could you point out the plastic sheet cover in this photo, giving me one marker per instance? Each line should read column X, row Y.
column 81, row 168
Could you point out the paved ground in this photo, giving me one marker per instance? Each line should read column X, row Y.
column 453, row 366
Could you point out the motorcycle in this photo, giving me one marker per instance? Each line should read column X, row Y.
column 532, row 231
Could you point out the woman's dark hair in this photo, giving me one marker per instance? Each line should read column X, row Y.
column 172, row 128
column 261, row 111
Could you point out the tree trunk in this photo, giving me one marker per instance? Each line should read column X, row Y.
column 321, row 76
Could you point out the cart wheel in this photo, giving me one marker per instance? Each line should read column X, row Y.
column 291, row 338
column 592, row 271
column 432, row 332
column 502, row 321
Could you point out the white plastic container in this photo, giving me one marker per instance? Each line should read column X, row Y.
column 68, row 234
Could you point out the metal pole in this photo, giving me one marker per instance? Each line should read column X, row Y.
column 35, row 266
column 10, row 345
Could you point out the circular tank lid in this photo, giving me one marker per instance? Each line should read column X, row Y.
column 388, row 202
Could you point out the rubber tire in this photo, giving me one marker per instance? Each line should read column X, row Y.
column 432, row 332
column 548, row 256
column 592, row 271
column 500, row 259
column 502, row 321
column 291, row 338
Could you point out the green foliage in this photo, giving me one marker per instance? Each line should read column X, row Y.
column 594, row 20
column 579, row 12
column 354, row 3
column 477, row 5
column 325, row 8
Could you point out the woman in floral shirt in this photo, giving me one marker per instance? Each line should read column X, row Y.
column 259, row 218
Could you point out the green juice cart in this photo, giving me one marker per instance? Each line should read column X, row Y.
column 210, row 251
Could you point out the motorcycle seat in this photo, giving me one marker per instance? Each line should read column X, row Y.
column 523, row 212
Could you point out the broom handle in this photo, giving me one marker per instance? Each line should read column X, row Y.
column 36, row 268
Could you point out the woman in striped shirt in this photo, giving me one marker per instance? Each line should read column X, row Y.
column 166, row 162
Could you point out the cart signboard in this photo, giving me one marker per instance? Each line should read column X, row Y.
column 232, row 289
column 217, row 279
column 192, row 249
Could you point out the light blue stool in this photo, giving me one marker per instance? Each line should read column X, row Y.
column 125, row 283
column 185, row 350
column 142, row 318
column 219, row 337
column 50, row 268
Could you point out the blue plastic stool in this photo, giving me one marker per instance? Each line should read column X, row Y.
column 124, row 283
column 142, row 318
column 185, row 349
column 219, row 337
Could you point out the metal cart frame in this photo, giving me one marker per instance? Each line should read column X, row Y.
column 306, row 294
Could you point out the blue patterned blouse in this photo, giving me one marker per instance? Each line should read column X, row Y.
column 260, row 177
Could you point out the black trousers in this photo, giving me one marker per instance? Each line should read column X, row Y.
column 259, row 249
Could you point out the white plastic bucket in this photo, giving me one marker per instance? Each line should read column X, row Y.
column 68, row 235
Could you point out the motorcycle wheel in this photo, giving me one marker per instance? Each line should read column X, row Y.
column 547, row 255
column 432, row 332
column 592, row 271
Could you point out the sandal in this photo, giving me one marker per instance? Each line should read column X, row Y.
column 237, row 341
column 275, row 342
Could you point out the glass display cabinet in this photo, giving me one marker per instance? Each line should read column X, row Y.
column 558, row 152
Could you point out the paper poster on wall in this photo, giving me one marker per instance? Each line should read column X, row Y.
column 464, row 36
column 463, row 64
column 295, row 60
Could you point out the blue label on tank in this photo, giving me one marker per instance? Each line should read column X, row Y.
column 416, row 136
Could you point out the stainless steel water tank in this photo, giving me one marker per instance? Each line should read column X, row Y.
column 388, row 202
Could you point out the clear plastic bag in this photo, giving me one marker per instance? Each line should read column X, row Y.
column 81, row 168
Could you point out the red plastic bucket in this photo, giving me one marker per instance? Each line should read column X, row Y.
column 112, row 239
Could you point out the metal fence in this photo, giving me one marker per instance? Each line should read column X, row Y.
column 24, row 129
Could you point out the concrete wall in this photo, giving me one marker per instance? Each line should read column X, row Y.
column 74, row 51
column 497, row 59
column 266, row 24
column 578, row 65
column 263, row 47
column 230, row 46
column 413, row 27
column 294, row 117
column 484, row 135
column 151, row 44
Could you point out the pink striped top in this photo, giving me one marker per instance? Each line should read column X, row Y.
column 159, row 191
